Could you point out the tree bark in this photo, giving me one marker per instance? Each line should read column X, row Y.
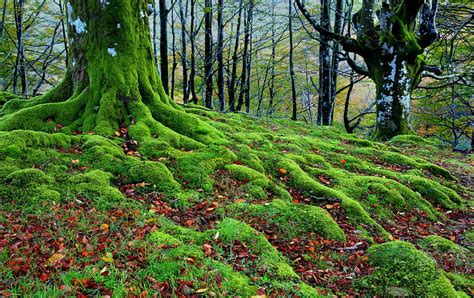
column 233, row 75
column 111, row 81
column 209, row 103
column 193, row 33
column 220, row 55
column 294, row 115
column 164, row 68
column 245, row 55
column 325, row 76
column 184, row 58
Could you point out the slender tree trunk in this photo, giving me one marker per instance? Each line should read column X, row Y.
column 233, row 75
column 248, row 88
column 20, row 63
column 338, row 27
column 192, row 33
column 184, row 58
column 164, row 68
column 209, row 103
column 175, row 61
column 324, row 100
column 291, row 62
column 245, row 55
column 2, row 24
column 271, row 88
column 64, row 32
column 220, row 55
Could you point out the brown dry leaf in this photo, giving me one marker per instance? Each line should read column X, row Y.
column 104, row 226
column 282, row 171
column 75, row 161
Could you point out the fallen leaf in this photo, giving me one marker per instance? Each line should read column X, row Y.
column 55, row 258
column 203, row 290
column 104, row 226
column 108, row 258
column 282, row 171
column 75, row 161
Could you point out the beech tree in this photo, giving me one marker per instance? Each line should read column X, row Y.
column 392, row 49
column 110, row 81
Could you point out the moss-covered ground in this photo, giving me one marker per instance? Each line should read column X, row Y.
column 274, row 208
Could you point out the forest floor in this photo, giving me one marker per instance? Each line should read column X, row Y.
column 281, row 209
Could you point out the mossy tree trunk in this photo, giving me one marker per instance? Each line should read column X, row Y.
column 393, row 53
column 111, row 80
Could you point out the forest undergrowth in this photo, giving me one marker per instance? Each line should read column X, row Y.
column 279, row 208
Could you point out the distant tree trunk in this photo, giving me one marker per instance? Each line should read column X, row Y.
column 324, row 100
column 248, row 88
column 338, row 27
column 192, row 33
column 220, row 55
column 164, row 45
column 245, row 55
column 209, row 103
column 291, row 62
column 4, row 12
column 20, row 63
column 64, row 32
column 271, row 88
column 175, row 61
column 233, row 75
column 184, row 58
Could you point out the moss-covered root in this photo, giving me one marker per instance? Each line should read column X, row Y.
column 402, row 270
column 354, row 210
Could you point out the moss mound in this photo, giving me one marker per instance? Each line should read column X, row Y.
column 400, row 268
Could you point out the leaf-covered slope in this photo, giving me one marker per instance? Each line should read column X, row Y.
column 279, row 208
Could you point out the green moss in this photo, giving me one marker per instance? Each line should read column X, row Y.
column 292, row 219
column 196, row 167
column 301, row 180
column 94, row 185
column 433, row 191
column 232, row 230
column 244, row 173
column 28, row 178
column 399, row 264
column 464, row 283
column 411, row 140
column 155, row 173
column 160, row 238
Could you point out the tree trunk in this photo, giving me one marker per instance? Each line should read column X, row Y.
column 324, row 100
column 175, row 61
column 338, row 27
column 184, row 58
column 271, row 88
column 220, row 55
column 20, row 63
column 111, row 81
column 294, row 115
column 245, row 55
column 192, row 33
column 209, row 103
column 164, row 45
column 233, row 75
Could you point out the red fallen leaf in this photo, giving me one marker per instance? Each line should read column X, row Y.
column 45, row 276
column 343, row 161
column 282, row 171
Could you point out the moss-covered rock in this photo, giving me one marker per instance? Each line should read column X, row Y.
column 400, row 265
